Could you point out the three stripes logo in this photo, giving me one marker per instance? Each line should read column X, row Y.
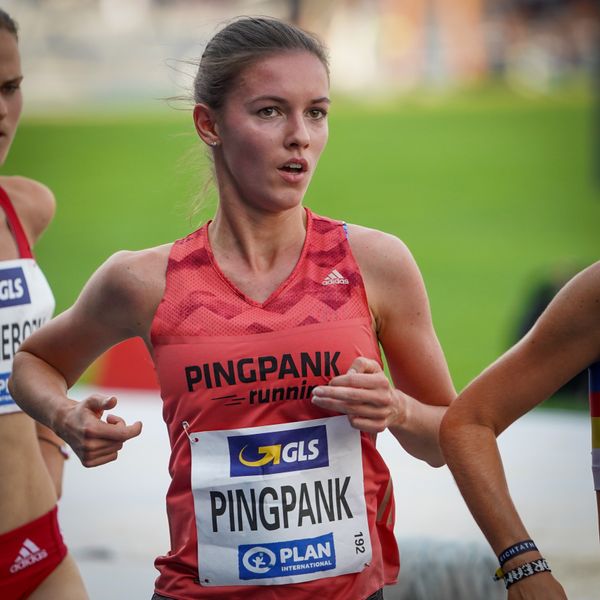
column 29, row 554
column 335, row 278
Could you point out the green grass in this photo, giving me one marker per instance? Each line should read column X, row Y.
column 489, row 191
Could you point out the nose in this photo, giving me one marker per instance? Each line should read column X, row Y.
column 3, row 107
column 297, row 135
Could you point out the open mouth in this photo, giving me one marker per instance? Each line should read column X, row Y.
column 294, row 166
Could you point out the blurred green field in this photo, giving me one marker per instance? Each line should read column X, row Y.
column 489, row 192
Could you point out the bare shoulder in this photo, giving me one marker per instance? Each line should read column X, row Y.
column 386, row 263
column 393, row 282
column 126, row 290
column 380, row 253
column 33, row 201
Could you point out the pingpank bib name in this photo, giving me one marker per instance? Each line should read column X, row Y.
column 279, row 504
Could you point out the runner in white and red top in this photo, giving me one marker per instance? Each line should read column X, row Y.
column 34, row 562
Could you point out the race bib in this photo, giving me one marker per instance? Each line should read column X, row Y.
column 279, row 504
column 26, row 303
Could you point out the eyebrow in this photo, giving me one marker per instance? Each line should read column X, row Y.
column 280, row 100
column 12, row 80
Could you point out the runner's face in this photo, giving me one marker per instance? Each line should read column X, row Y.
column 11, row 100
column 272, row 129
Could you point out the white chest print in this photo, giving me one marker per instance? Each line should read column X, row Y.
column 26, row 303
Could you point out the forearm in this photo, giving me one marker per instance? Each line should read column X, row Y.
column 39, row 389
column 472, row 455
column 418, row 433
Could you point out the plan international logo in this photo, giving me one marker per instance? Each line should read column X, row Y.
column 278, row 451
column 293, row 557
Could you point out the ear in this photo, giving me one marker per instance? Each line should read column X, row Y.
column 205, row 123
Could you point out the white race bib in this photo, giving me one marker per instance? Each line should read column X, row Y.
column 279, row 504
column 26, row 303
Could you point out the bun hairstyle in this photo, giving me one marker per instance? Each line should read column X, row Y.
column 241, row 43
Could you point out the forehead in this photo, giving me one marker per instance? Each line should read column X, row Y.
column 10, row 63
column 288, row 74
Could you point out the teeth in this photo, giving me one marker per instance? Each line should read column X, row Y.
column 294, row 166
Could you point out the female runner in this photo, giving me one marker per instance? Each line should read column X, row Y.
column 34, row 558
column 264, row 326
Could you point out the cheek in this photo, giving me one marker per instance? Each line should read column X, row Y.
column 15, row 105
column 320, row 137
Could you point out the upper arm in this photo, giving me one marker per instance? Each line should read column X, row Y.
column 400, row 306
column 118, row 302
column 563, row 342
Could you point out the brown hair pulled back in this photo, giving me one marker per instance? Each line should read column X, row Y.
column 7, row 23
column 241, row 43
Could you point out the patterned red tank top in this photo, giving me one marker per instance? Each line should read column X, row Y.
column 270, row 495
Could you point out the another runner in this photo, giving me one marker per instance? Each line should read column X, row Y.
column 563, row 342
column 264, row 326
column 34, row 562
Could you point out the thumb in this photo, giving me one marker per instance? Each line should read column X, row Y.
column 133, row 430
column 98, row 404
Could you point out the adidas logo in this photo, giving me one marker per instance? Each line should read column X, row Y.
column 29, row 554
column 335, row 277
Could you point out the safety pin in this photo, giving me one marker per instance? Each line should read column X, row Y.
column 186, row 428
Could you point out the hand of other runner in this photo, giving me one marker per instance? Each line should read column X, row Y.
column 365, row 394
column 538, row 587
column 94, row 441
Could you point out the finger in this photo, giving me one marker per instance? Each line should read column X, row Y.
column 360, row 380
column 133, row 430
column 88, row 455
column 361, row 364
column 365, row 411
column 96, row 462
column 118, row 432
column 352, row 395
column 115, row 420
column 367, row 425
column 98, row 403
column 97, row 445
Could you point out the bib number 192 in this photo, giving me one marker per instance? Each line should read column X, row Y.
column 359, row 543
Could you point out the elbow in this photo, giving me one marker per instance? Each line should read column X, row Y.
column 449, row 432
column 436, row 461
column 12, row 380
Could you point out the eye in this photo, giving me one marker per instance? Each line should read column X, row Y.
column 317, row 113
column 268, row 112
column 10, row 88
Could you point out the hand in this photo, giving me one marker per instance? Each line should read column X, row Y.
column 541, row 586
column 365, row 395
column 94, row 441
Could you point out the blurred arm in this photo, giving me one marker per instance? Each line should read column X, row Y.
column 564, row 341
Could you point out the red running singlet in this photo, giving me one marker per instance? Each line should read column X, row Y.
column 264, row 483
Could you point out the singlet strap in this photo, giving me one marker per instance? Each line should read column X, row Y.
column 15, row 225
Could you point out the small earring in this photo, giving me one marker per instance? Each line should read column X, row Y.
column 213, row 143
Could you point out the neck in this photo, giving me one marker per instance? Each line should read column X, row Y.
column 257, row 238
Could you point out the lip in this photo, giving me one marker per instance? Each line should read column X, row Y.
column 294, row 176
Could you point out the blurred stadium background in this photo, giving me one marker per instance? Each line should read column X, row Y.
column 468, row 128
column 464, row 127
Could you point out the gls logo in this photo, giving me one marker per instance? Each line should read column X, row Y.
column 278, row 451
column 13, row 287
